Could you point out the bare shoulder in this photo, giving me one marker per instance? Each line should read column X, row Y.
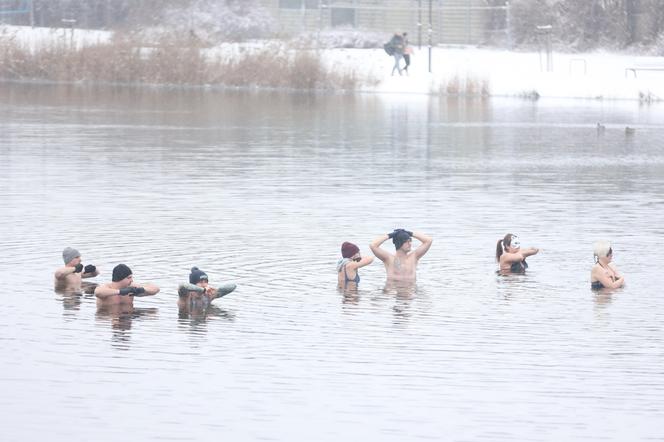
column 412, row 256
column 511, row 257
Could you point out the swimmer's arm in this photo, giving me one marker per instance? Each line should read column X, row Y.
column 104, row 292
column 375, row 248
column 529, row 251
column 221, row 291
column 62, row 272
column 511, row 257
column 150, row 289
column 606, row 280
column 186, row 288
column 365, row 261
column 615, row 270
column 424, row 247
column 90, row 275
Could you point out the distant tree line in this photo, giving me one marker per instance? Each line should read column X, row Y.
column 109, row 14
column 576, row 24
column 589, row 24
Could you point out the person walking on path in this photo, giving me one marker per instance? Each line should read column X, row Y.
column 397, row 46
column 407, row 51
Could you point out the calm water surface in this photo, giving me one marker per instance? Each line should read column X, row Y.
column 261, row 190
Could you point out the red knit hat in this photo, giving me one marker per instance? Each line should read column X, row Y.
column 349, row 249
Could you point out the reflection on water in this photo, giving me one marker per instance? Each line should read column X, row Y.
column 262, row 188
column 403, row 292
column 349, row 294
column 72, row 297
column 200, row 314
column 120, row 318
column 70, row 301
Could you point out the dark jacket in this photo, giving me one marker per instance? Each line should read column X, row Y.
column 397, row 44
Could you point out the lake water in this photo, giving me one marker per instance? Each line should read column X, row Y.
column 261, row 189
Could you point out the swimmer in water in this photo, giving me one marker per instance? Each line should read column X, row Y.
column 68, row 278
column 403, row 264
column 604, row 273
column 122, row 289
column 510, row 256
column 350, row 261
column 198, row 292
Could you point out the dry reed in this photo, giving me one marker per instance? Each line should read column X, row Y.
column 468, row 87
column 169, row 62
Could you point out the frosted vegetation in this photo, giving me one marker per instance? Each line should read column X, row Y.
column 214, row 21
column 177, row 46
column 580, row 25
column 170, row 62
column 237, row 43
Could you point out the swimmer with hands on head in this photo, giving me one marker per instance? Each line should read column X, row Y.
column 604, row 273
column 510, row 256
column 350, row 261
column 122, row 289
column 403, row 264
column 70, row 276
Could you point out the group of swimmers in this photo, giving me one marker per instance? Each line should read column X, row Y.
column 122, row 289
column 511, row 258
column 400, row 266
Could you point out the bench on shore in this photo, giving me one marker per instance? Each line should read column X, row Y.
column 634, row 69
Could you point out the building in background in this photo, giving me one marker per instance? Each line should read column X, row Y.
column 452, row 21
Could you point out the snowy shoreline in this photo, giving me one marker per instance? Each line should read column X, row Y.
column 464, row 71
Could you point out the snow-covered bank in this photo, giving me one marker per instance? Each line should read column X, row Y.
column 592, row 75
column 36, row 38
column 457, row 70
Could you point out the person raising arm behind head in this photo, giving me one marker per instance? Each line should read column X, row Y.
column 403, row 264
column 510, row 256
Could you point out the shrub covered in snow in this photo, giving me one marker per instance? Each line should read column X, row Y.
column 588, row 24
column 217, row 21
column 342, row 38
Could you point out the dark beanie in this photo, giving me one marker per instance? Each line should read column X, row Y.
column 349, row 249
column 196, row 275
column 120, row 272
column 400, row 237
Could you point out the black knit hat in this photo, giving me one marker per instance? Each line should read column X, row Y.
column 400, row 237
column 196, row 275
column 120, row 272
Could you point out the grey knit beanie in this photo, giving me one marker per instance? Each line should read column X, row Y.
column 68, row 254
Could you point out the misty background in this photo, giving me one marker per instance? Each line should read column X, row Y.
column 634, row 26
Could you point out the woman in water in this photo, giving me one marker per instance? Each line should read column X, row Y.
column 510, row 256
column 350, row 261
column 604, row 273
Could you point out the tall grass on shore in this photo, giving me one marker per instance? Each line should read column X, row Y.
column 170, row 62
column 468, row 87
